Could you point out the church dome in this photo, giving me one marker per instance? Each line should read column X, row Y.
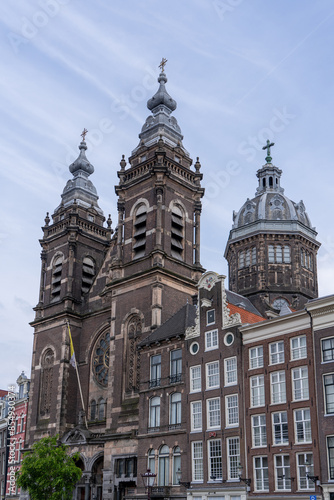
column 270, row 206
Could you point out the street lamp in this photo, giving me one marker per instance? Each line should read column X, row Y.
column 314, row 479
column 186, row 484
column 245, row 480
column 148, row 480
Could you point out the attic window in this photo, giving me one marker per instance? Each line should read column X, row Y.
column 178, row 159
column 56, row 278
column 90, row 218
column 139, row 235
column 88, row 274
column 177, row 230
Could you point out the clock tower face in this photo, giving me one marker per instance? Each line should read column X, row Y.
column 101, row 360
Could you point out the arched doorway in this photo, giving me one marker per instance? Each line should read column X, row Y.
column 97, row 479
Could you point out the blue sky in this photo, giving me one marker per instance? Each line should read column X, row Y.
column 241, row 72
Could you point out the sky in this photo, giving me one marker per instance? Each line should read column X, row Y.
column 241, row 72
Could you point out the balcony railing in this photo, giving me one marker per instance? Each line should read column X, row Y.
column 173, row 379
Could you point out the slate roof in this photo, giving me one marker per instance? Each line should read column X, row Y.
column 185, row 317
column 173, row 327
column 241, row 301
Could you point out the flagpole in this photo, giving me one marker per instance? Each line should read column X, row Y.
column 76, row 369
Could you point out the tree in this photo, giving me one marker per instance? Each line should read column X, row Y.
column 48, row 472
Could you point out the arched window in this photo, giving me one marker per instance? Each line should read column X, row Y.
column 102, row 409
column 175, row 409
column 93, row 409
column 139, row 234
column 247, row 257
column 88, row 274
column 154, row 416
column 176, row 463
column 177, row 231
column 47, row 363
column 270, row 181
column 56, row 278
column 287, row 254
column 151, row 461
column 241, row 259
column 271, row 253
column 279, row 254
column 132, row 354
column 303, row 257
column 163, row 472
column 253, row 256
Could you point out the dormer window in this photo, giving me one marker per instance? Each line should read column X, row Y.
column 177, row 230
column 139, row 236
column 88, row 274
column 56, row 278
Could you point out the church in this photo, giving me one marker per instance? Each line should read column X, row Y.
column 161, row 345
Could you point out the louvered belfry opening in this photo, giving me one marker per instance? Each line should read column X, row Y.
column 88, row 274
column 56, row 278
column 139, row 236
column 177, row 231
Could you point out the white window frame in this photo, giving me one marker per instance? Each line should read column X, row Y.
column 207, row 317
column 261, row 434
column 232, row 410
column 230, row 375
column 284, row 432
column 256, row 361
column 278, row 352
column 300, row 384
column 304, row 484
column 302, row 425
column 277, row 387
column 284, row 475
column 211, row 340
column 213, row 377
column 213, row 413
column 233, row 459
column 197, row 461
column 261, row 473
column 215, row 466
column 298, row 351
column 196, row 416
column 257, row 393
column 195, row 381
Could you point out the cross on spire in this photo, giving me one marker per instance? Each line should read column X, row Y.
column 163, row 64
column 83, row 135
column 267, row 147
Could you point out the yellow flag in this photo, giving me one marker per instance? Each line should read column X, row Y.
column 72, row 360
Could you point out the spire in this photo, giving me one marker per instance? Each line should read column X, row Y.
column 161, row 123
column 80, row 189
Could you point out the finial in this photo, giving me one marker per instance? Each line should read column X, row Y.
column 197, row 164
column 162, row 65
column 109, row 221
column 83, row 135
column 47, row 219
column 122, row 162
column 267, row 147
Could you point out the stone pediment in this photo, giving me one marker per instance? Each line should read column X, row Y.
column 76, row 436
